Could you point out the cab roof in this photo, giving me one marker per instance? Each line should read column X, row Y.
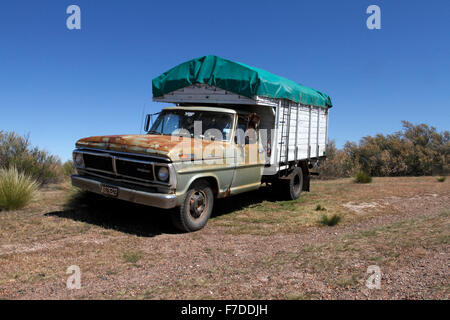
column 202, row 108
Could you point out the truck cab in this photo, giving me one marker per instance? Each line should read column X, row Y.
column 189, row 156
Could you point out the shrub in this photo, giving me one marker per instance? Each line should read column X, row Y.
column 16, row 151
column 416, row 150
column 441, row 179
column 319, row 207
column 330, row 221
column 413, row 151
column 363, row 177
column 336, row 165
column 16, row 189
column 68, row 168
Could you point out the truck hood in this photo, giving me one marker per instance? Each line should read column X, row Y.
column 173, row 147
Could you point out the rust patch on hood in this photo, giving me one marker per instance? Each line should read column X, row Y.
column 172, row 147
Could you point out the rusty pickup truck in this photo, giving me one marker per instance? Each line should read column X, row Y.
column 233, row 128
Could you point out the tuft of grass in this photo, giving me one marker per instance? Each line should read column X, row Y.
column 363, row 177
column 16, row 189
column 348, row 281
column 287, row 205
column 319, row 207
column 330, row 221
column 441, row 179
column 132, row 256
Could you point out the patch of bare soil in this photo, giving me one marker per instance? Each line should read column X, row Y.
column 127, row 251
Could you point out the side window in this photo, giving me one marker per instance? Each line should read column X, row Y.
column 243, row 134
column 242, row 124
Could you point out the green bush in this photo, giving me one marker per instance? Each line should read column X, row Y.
column 16, row 151
column 362, row 177
column 16, row 189
column 330, row 221
column 319, row 207
column 441, row 179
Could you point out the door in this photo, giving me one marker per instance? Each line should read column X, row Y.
column 249, row 158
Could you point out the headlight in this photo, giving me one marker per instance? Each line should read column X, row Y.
column 78, row 160
column 163, row 173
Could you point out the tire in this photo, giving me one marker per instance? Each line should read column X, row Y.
column 293, row 185
column 196, row 208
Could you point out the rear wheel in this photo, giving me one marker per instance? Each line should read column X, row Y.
column 293, row 185
column 196, row 208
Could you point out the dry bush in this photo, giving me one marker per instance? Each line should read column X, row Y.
column 68, row 168
column 16, row 151
column 337, row 164
column 414, row 151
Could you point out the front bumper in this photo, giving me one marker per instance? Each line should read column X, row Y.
column 159, row 200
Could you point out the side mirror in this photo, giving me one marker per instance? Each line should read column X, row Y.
column 148, row 118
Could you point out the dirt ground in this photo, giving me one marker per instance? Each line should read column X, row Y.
column 254, row 247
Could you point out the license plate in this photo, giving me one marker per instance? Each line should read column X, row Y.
column 109, row 190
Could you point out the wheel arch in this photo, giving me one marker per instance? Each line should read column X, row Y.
column 211, row 179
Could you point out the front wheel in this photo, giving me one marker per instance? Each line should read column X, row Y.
column 195, row 209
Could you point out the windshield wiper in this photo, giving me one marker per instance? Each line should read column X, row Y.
column 153, row 132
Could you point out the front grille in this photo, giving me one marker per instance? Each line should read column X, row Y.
column 98, row 162
column 121, row 167
column 135, row 169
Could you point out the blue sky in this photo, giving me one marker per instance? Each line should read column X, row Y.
column 59, row 85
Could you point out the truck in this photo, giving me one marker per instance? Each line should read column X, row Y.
column 229, row 129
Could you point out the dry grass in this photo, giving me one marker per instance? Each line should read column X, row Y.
column 254, row 247
column 341, row 197
column 342, row 263
column 16, row 189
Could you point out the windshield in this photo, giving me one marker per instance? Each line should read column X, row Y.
column 201, row 124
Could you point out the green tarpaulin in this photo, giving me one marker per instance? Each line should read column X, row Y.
column 237, row 78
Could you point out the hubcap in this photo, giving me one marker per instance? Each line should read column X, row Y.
column 197, row 204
